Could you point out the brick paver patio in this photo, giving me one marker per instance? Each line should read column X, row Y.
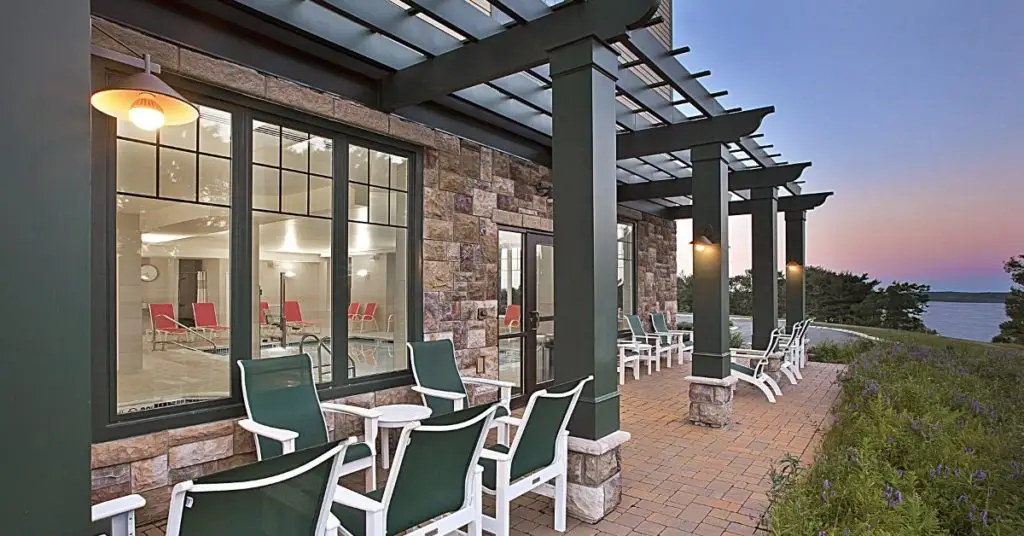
column 680, row 479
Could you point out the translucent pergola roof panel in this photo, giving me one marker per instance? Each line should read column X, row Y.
column 654, row 88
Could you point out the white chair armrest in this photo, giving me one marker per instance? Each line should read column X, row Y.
column 355, row 500
column 510, row 420
column 351, row 410
column 285, row 437
column 747, row 351
column 496, row 456
column 439, row 394
column 487, row 381
column 116, row 507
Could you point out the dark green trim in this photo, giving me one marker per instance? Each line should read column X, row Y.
column 764, row 265
column 241, row 246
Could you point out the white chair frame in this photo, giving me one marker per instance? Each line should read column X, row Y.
column 537, row 481
column 327, row 524
column 675, row 338
column 120, row 512
column 460, row 400
column 469, row 515
column 653, row 342
column 759, row 379
column 287, row 437
column 631, row 359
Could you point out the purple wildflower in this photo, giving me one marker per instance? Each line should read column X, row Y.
column 961, row 499
column 979, row 475
column 892, row 496
column 968, row 450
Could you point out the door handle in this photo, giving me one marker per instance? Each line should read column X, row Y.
column 534, row 320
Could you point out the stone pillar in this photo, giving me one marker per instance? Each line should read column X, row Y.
column 711, row 400
column 764, row 264
column 595, row 476
column 46, row 277
column 796, row 222
column 583, row 77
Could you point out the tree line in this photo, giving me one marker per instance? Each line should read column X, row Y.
column 1012, row 331
column 833, row 297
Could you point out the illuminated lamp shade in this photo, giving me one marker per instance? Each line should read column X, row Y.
column 793, row 266
column 146, row 101
column 702, row 242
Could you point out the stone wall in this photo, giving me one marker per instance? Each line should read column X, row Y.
column 469, row 190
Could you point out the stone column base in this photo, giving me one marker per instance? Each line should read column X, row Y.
column 595, row 476
column 711, row 400
column 774, row 368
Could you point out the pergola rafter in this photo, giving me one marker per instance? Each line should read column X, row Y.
column 773, row 177
column 789, row 203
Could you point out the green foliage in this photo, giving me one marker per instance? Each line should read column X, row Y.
column 927, row 440
column 831, row 352
column 1012, row 331
column 684, row 293
column 735, row 339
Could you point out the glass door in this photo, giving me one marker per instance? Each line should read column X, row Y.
column 526, row 311
column 541, row 299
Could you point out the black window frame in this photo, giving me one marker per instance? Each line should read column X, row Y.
column 636, row 282
column 106, row 423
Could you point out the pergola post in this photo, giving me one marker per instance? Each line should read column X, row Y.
column 796, row 224
column 711, row 385
column 583, row 158
column 764, row 273
column 764, row 237
column 46, row 216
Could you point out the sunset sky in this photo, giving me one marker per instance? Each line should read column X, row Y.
column 911, row 112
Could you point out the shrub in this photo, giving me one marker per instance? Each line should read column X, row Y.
column 735, row 340
column 927, row 440
column 832, row 352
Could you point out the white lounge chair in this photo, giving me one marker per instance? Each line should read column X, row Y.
column 660, row 343
column 674, row 337
column 756, row 375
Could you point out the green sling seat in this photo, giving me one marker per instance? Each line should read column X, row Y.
column 675, row 337
column 288, row 495
column 285, row 413
column 756, row 375
column 538, row 455
column 434, row 484
column 443, row 388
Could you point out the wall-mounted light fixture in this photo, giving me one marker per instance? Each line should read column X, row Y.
column 142, row 98
column 703, row 239
column 362, row 272
column 792, row 266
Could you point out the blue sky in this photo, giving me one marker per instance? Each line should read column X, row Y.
column 911, row 112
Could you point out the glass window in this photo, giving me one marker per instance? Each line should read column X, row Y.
column 292, row 212
column 626, row 274
column 510, row 307
column 171, row 263
column 378, row 257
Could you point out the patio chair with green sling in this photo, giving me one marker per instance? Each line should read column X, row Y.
column 757, row 375
column 676, row 337
column 660, row 344
column 288, row 495
column 538, row 455
column 434, row 484
column 443, row 388
column 285, row 413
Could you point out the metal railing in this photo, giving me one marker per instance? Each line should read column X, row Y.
column 188, row 330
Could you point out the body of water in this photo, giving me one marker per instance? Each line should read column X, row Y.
column 971, row 321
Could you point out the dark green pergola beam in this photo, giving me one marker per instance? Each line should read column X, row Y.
column 776, row 176
column 517, row 49
column 688, row 134
column 788, row 203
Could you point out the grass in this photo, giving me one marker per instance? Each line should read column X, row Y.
column 928, row 439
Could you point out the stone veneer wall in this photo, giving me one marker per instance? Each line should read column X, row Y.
column 468, row 191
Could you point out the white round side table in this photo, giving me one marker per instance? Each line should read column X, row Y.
column 396, row 416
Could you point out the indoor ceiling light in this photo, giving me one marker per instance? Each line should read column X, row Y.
column 142, row 98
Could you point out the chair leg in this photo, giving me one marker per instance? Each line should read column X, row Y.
column 760, row 385
column 475, row 527
column 622, row 372
column 503, row 433
column 561, row 486
column 771, row 383
column 371, row 475
column 789, row 375
column 796, row 372
column 636, row 369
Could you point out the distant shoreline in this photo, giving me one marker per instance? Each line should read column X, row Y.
column 968, row 297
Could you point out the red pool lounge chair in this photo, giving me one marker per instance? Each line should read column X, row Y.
column 205, row 315
column 164, row 324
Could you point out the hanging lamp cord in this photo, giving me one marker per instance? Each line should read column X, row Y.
column 116, row 40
